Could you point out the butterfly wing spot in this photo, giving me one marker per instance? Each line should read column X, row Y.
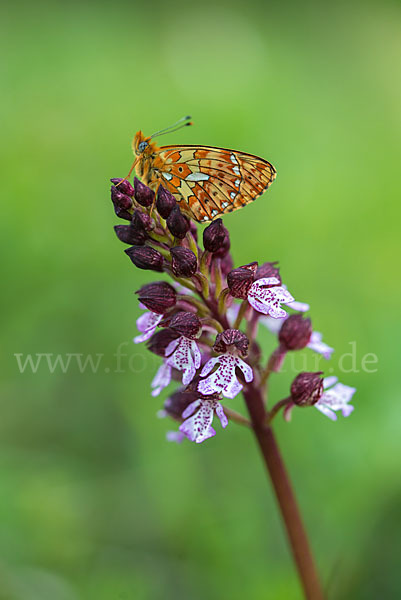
column 237, row 182
column 233, row 159
column 197, row 176
column 233, row 194
column 236, row 170
column 214, row 212
column 167, row 176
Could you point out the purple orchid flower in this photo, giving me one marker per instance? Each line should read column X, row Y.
column 335, row 397
column 198, row 416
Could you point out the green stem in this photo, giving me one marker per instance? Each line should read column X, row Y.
column 213, row 323
column 204, row 284
column 241, row 313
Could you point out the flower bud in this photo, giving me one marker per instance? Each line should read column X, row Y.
column 268, row 269
column 240, row 280
column 178, row 402
column 224, row 248
column 307, row 389
column 185, row 323
column 178, row 223
column 295, row 332
column 160, row 340
column 183, row 262
column 122, row 203
column 142, row 220
column 158, row 296
column 165, row 202
column 231, row 337
column 145, row 257
column 143, row 194
column 128, row 235
column 123, row 186
column 214, row 236
column 136, row 232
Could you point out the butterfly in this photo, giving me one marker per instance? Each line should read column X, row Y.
column 206, row 181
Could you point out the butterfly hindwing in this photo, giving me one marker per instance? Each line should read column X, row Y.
column 209, row 181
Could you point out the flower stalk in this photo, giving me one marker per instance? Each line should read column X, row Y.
column 284, row 494
column 205, row 325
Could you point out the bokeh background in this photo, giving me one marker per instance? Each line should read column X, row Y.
column 94, row 503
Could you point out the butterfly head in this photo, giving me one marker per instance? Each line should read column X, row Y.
column 142, row 146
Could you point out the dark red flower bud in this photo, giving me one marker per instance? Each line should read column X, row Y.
column 160, row 340
column 214, row 236
column 183, row 262
column 143, row 194
column 122, row 204
column 158, row 296
column 295, row 332
column 123, row 186
column 240, row 280
column 178, row 223
column 224, row 248
column 185, row 323
column 142, row 220
column 178, row 402
column 231, row 337
column 136, row 232
column 165, row 202
column 145, row 257
column 129, row 235
column 307, row 389
column 268, row 269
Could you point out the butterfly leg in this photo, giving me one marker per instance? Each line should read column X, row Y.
column 154, row 199
column 129, row 172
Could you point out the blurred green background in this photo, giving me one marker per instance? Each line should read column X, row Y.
column 94, row 503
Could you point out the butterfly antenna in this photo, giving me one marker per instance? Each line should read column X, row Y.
column 184, row 122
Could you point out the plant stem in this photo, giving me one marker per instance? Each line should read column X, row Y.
column 233, row 415
column 276, row 408
column 284, row 493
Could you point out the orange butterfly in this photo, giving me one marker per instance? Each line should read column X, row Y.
column 206, row 181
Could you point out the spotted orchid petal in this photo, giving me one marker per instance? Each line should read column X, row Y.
column 336, row 398
column 209, row 366
column 190, row 409
column 317, row 345
column 184, row 355
column 147, row 324
column 329, row 381
column 224, row 379
column 161, row 379
column 298, row 306
column 221, row 415
column 198, row 427
column 267, row 300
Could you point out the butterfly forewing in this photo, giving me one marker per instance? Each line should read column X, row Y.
column 209, row 182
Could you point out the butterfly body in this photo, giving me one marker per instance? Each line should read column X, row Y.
column 206, row 181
